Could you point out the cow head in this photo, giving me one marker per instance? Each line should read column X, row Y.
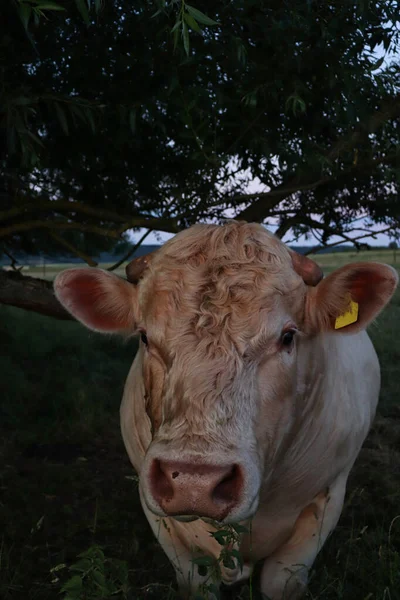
column 221, row 311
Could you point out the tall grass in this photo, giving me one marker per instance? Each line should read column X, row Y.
column 58, row 378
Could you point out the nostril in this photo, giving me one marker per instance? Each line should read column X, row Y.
column 160, row 484
column 193, row 488
column 229, row 488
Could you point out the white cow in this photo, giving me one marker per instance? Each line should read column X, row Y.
column 252, row 392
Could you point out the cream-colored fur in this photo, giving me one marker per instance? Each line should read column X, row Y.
column 216, row 384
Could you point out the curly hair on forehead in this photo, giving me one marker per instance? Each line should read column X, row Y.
column 216, row 279
column 224, row 264
column 233, row 242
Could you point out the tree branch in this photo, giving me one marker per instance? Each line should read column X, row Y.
column 285, row 226
column 312, row 224
column 283, row 189
column 14, row 261
column 30, row 293
column 68, row 226
column 131, row 251
column 161, row 224
column 348, row 239
column 261, row 208
column 30, row 225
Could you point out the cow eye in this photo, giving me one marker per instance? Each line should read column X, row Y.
column 287, row 337
column 144, row 339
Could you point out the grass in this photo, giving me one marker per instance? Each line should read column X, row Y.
column 337, row 259
column 50, row 270
column 67, row 487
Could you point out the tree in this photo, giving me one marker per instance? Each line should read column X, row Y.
column 155, row 115
column 393, row 246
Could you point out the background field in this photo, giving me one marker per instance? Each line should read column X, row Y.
column 66, row 483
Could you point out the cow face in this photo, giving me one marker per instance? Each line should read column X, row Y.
column 221, row 312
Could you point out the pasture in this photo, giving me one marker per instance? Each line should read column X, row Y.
column 67, row 487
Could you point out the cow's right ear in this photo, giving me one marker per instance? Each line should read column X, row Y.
column 348, row 299
column 98, row 299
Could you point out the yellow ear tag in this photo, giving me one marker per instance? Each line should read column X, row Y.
column 349, row 317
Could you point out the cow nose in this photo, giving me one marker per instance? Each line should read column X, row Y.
column 187, row 488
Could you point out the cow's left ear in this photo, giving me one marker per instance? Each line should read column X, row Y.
column 98, row 299
column 348, row 299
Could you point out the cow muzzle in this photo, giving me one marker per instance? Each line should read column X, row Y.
column 181, row 488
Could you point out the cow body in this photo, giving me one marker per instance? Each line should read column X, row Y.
column 245, row 403
column 338, row 389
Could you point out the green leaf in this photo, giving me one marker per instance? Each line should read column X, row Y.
column 34, row 137
column 33, row 158
column 132, row 120
column 21, row 101
column 173, row 84
column 99, row 579
column 158, row 12
column 83, row 9
column 162, row 6
column 25, row 12
column 296, row 104
column 62, row 118
column 74, row 584
column 24, row 116
column 239, row 557
column 204, row 560
column 378, row 64
column 36, row 15
column 94, row 553
column 202, row 570
column 176, row 37
column 199, row 16
column 90, row 119
column 49, row 6
column 81, row 566
column 241, row 52
column 12, row 139
column 185, row 35
column 220, row 535
column 228, row 562
column 77, row 110
column 239, row 528
column 176, row 26
column 250, row 99
column 192, row 23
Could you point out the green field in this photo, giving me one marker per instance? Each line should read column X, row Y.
column 337, row 259
column 327, row 261
column 50, row 270
column 66, row 484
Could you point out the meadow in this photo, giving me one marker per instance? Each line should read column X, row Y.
column 67, row 487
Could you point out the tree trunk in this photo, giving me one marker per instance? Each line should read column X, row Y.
column 31, row 294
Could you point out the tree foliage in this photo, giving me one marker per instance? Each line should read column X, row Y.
column 120, row 115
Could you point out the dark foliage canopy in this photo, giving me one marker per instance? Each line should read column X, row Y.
column 154, row 114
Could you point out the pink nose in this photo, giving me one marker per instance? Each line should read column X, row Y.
column 184, row 488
